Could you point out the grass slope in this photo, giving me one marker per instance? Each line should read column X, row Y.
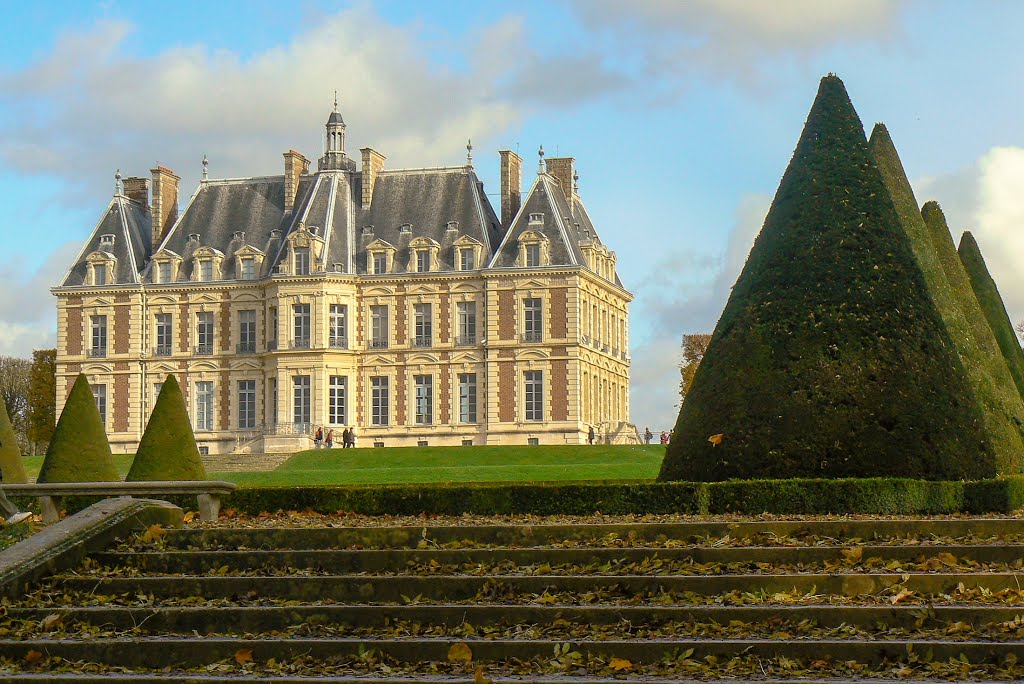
column 830, row 358
column 460, row 464
column 992, row 388
column 992, row 305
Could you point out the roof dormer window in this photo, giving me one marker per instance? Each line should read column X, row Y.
column 533, row 249
column 205, row 270
column 248, row 268
column 301, row 261
column 532, row 255
column 99, row 274
column 380, row 262
column 422, row 260
column 163, row 272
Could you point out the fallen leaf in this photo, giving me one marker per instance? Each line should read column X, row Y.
column 904, row 593
column 33, row 656
column 243, row 656
column 153, row 534
column 189, row 517
column 479, row 678
column 716, row 439
column 51, row 621
column 853, row 554
column 460, row 652
column 619, row 664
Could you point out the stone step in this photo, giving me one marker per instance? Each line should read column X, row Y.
column 253, row 678
column 159, row 652
column 838, row 532
column 376, row 560
column 261, row 619
column 398, row 588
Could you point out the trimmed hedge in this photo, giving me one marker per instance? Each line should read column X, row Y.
column 881, row 496
column 167, row 450
column 79, row 450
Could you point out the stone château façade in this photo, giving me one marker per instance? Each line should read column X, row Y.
column 394, row 301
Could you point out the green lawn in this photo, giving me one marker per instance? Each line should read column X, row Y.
column 460, row 464
column 443, row 464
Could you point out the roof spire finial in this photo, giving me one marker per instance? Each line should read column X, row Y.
column 540, row 165
column 469, row 152
column 576, row 182
column 118, row 185
column 335, row 99
column 206, row 169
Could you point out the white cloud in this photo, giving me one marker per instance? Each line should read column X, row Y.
column 672, row 307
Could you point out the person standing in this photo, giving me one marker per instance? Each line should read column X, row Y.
column 648, row 435
column 352, row 438
column 329, row 440
column 590, row 436
column 318, row 437
column 344, row 438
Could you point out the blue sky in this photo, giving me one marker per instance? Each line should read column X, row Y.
column 682, row 117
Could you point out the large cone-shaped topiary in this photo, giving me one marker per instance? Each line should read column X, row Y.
column 830, row 358
column 11, row 465
column 992, row 387
column 79, row 450
column 168, row 448
column 992, row 305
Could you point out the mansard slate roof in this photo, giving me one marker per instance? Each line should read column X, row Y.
column 129, row 223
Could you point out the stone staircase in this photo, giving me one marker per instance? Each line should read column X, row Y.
column 722, row 600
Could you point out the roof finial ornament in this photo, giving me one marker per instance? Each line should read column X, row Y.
column 118, row 185
column 540, row 165
column 576, row 182
column 469, row 152
column 335, row 99
column 206, row 168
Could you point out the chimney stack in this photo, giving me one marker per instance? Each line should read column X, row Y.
column 373, row 164
column 137, row 189
column 165, row 203
column 295, row 166
column 562, row 169
column 511, row 186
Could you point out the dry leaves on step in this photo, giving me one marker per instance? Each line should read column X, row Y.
column 153, row 534
column 619, row 664
column 460, row 652
column 243, row 656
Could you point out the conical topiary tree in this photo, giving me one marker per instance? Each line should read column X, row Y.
column 992, row 305
column 79, row 450
column 168, row 448
column 11, row 465
column 992, row 387
column 830, row 358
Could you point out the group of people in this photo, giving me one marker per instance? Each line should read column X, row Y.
column 348, row 438
column 648, row 436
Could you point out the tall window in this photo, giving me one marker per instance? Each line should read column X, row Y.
column 467, row 397
column 422, row 260
column 336, row 400
column 302, row 261
column 157, row 386
column 246, row 404
column 534, row 394
column 247, row 331
column 380, row 401
column 380, row 262
column 272, row 333
column 379, row 326
column 204, row 332
column 163, row 272
column 164, row 334
column 99, row 274
column 467, row 262
column 532, row 320
column 301, row 399
column 99, row 393
column 302, row 326
column 466, row 313
column 204, row 405
column 248, row 268
column 424, row 399
column 532, row 255
column 206, row 270
column 339, row 326
column 423, row 321
column 99, row 336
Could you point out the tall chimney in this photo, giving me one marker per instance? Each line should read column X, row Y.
column 137, row 189
column 373, row 164
column 562, row 169
column 511, row 186
column 165, row 203
column 295, row 165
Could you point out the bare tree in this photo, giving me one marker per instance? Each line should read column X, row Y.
column 14, row 387
column 694, row 347
column 1019, row 329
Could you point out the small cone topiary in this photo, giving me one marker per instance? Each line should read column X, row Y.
column 79, row 450
column 11, row 465
column 992, row 304
column 168, row 448
column 831, row 358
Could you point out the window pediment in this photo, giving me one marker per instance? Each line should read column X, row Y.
column 380, row 245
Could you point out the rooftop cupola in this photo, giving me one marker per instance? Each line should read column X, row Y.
column 334, row 145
